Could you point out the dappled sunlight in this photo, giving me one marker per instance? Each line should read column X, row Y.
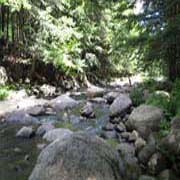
column 9, row 106
column 125, row 81
column 100, row 79
column 139, row 7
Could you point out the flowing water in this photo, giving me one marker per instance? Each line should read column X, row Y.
column 18, row 156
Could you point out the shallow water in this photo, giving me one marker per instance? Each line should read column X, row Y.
column 13, row 151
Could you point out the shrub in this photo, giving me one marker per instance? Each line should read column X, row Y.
column 4, row 92
column 160, row 99
column 175, row 99
column 164, row 128
column 136, row 96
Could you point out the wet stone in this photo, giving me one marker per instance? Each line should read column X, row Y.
column 120, row 127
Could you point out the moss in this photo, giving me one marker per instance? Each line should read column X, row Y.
column 112, row 142
column 65, row 125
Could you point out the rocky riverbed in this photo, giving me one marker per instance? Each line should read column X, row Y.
column 93, row 134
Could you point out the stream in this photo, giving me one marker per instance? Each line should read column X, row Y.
column 18, row 156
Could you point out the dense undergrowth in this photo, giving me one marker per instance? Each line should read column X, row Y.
column 162, row 94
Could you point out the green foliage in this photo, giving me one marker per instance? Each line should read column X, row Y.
column 63, row 32
column 162, row 35
column 16, row 5
column 175, row 99
column 159, row 99
column 164, row 128
column 136, row 96
column 4, row 92
column 125, row 48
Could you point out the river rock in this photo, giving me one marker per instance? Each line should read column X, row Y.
column 125, row 135
column 120, row 127
column 146, row 153
column 111, row 96
column 21, row 117
column 25, row 132
column 88, row 111
column 44, row 128
column 77, row 157
column 59, row 133
column 41, row 146
column 47, row 90
column 120, row 105
column 18, row 95
column 109, row 134
column 73, row 119
column 139, row 144
column 171, row 142
column 145, row 119
column 37, row 110
column 126, row 149
column 146, row 177
column 167, row 174
column 156, row 163
column 98, row 100
column 129, row 166
column 63, row 102
column 17, row 150
column 109, row 127
column 116, row 120
column 133, row 136
column 95, row 91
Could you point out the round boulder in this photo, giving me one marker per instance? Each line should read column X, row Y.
column 59, row 133
column 77, row 157
column 25, row 132
column 63, row 102
column 145, row 119
column 120, row 105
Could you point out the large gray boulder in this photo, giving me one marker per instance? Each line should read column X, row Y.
column 59, row 133
column 63, row 102
column 78, row 157
column 120, row 105
column 21, row 117
column 37, row 110
column 145, row 119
